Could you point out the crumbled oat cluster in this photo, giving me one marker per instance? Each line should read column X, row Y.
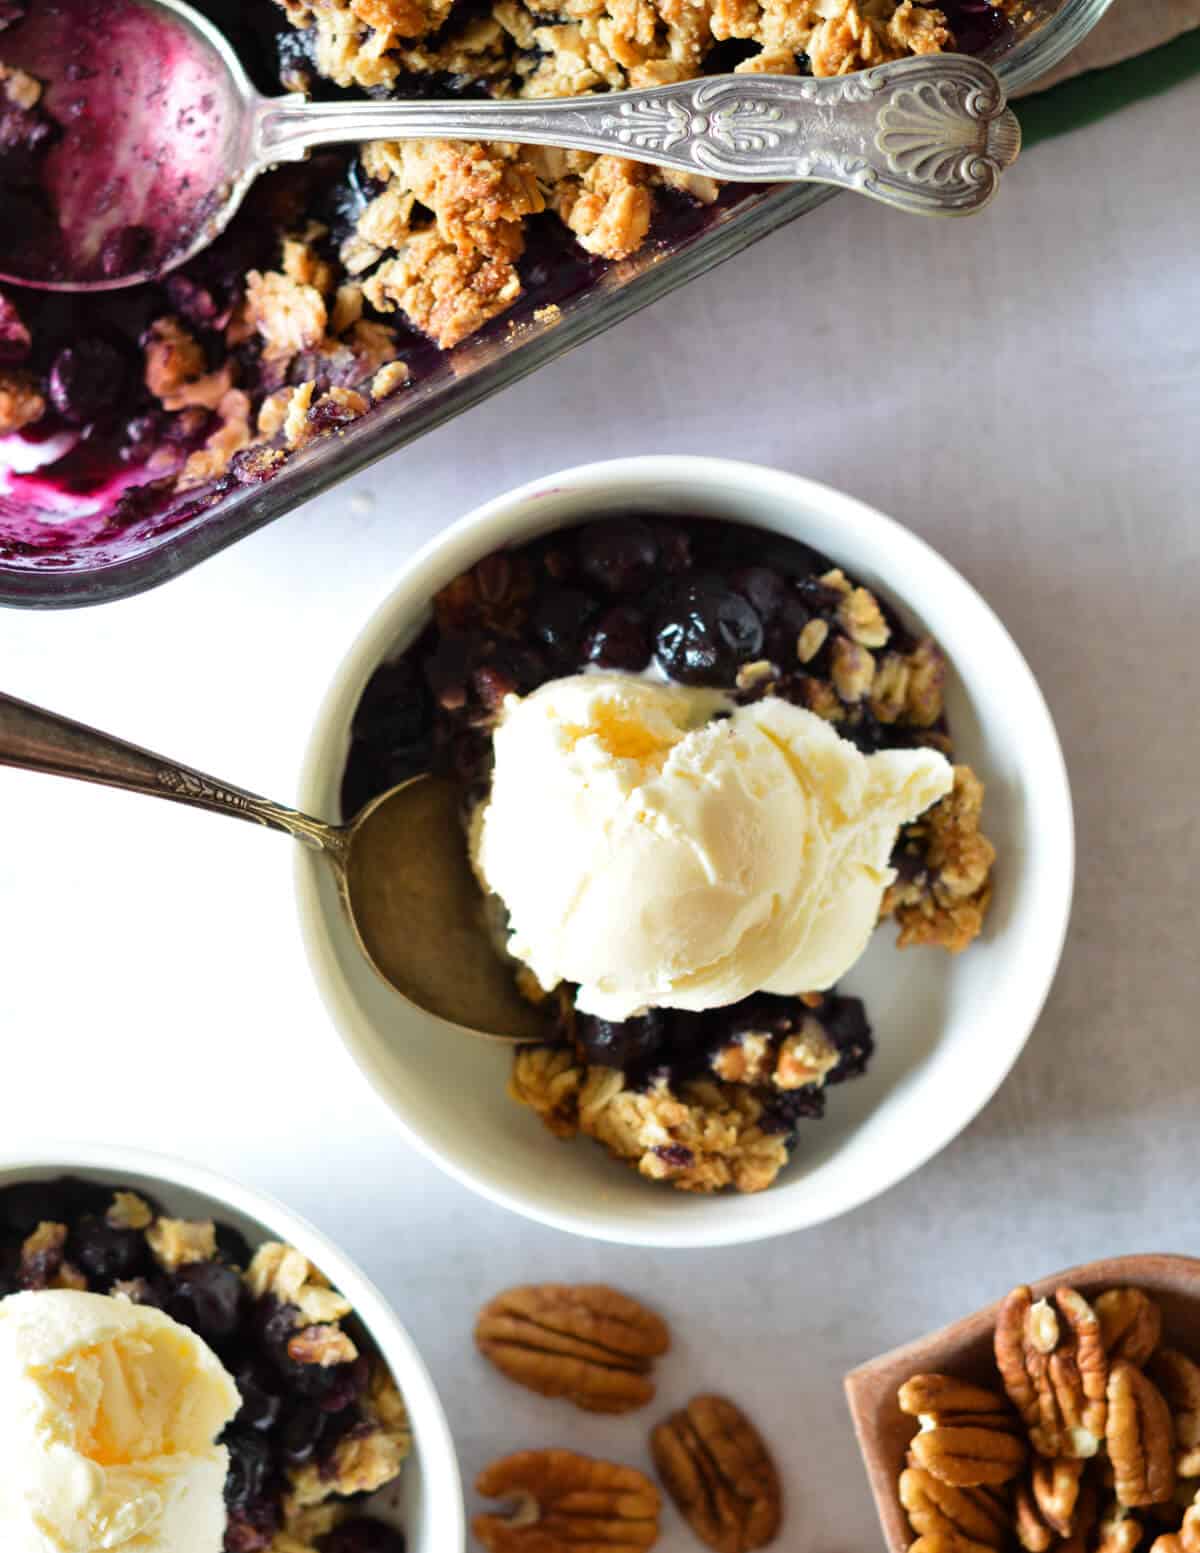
column 701, row 1138
column 321, row 1420
column 711, row 1100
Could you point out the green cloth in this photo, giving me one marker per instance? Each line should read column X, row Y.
column 1089, row 97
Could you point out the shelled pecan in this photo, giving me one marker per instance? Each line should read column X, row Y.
column 585, row 1342
column 972, row 1517
column 1141, row 1442
column 566, row 1503
column 719, row 1472
column 1051, row 1358
column 1178, row 1378
column 1130, row 1325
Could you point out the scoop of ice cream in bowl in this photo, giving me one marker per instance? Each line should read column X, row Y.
column 187, row 1366
column 761, row 799
column 656, row 854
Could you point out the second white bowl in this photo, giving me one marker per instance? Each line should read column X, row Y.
column 428, row 1497
column 948, row 1029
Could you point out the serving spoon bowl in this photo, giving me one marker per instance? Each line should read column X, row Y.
column 161, row 135
column 401, row 867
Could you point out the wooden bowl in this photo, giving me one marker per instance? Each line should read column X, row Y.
column 964, row 1349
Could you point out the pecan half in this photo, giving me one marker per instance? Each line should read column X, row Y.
column 972, row 1517
column 1130, row 1324
column 1140, row 1438
column 564, row 1503
column 968, row 1456
column 1052, row 1361
column 583, row 1342
column 719, row 1472
column 946, row 1400
column 1178, row 1378
column 1055, row 1486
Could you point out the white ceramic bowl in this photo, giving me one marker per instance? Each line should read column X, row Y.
column 430, row 1508
column 948, row 1029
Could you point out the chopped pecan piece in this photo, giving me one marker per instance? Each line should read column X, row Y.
column 1178, row 1378
column 971, row 1517
column 719, row 1472
column 128, row 1211
column 926, row 683
column 1055, row 1370
column 323, row 1346
column 811, row 640
column 861, row 618
column 969, row 1456
column 1130, row 1324
column 853, row 669
column 43, row 1264
column 1140, row 1438
column 565, row 1503
column 178, row 1242
column 585, row 1342
column 287, row 1274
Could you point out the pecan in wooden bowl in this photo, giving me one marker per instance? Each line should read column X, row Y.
column 1065, row 1418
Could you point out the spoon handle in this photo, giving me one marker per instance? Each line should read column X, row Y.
column 34, row 740
column 929, row 135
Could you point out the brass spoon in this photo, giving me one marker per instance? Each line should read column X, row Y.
column 161, row 134
column 401, row 867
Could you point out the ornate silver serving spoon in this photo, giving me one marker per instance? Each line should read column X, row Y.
column 162, row 134
column 401, row 866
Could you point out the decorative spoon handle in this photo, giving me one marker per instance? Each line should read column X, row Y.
column 34, row 740
column 928, row 135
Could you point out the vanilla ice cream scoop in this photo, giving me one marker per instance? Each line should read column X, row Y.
column 661, row 856
column 108, row 1416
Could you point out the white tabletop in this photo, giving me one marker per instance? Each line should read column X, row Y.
column 1024, row 390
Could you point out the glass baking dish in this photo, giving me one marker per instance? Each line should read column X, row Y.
column 89, row 567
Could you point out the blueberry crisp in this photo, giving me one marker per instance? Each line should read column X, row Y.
column 321, row 1424
column 711, row 1096
column 345, row 278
